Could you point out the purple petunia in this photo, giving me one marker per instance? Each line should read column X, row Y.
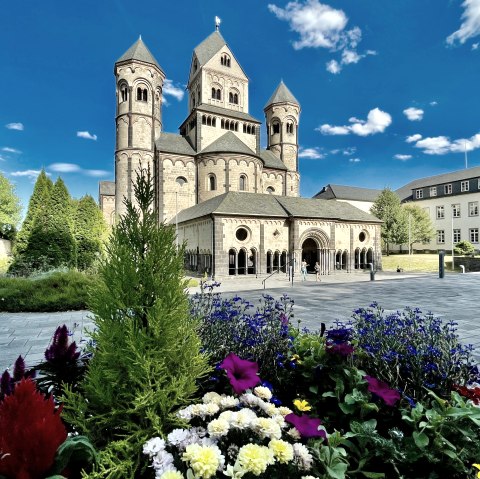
column 241, row 373
column 342, row 349
column 306, row 426
column 381, row 389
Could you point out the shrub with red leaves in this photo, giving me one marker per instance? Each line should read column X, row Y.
column 470, row 393
column 30, row 433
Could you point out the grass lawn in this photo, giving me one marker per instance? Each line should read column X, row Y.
column 427, row 263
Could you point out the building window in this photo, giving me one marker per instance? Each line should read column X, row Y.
column 456, row 211
column 270, row 190
column 225, row 60
column 124, row 93
column 233, row 98
column 275, row 128
column 440, row 212
column 464, row 186
column 212, row 183
column 242, row 184
column 181, row 180
column 290, row 128
column 441, row 236
column 447, row 189
column 473, row 208
column 216, row 94
column 473, row 233
column 142, row 94
column 433, row 191
column 456, row 236
column 419, row 194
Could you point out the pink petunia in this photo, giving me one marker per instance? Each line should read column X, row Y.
column 241, row 373
column 381, row 389
column 306, row 426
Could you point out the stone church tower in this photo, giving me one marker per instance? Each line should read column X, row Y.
column 139, row 80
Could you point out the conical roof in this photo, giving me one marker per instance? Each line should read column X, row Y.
column 282, row 95
column 211, row 45
column 139, row 51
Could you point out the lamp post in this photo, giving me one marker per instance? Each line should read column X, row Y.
column 453, row 242
column 176, row 219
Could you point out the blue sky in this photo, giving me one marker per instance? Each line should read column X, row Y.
column 389, row 89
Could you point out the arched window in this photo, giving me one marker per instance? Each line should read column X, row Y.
column 142, row 94
column 214, row 93
column 242, row 184
column 244, row 128
column 270, row 190
column 275, row 128
column 209, row 121
column 124, row 93
column 225, row 60
column 214, row 121
column 290, row 127
column 222, row 124
column 219, row 94
column 204, row 120
column 236, row 126
column 230, row 97
column 253, row 130
column 212, row 183
column 181, row 180
column 235, row 98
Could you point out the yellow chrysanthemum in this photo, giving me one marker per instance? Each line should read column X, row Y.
column 478, row 467
column 171, row 475
column 282, row 450
column 302, row 405
column 203, row 460
column 254, row 458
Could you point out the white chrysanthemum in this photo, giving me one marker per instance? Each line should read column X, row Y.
column 186, row 413
column 203, row 410
column 177, row 436
column 163, row 461
column 280, row 420
column 267, row 427
column 229, row 402
column 253, row 458
column 249, row 399
column 309, row 477
column 218, row 428
column 204, row 460
column 294, row 434
column 282, row 450
column 199, row 431
column 154, row 445
column 263, row 392
column 243, row 419
column 226, row 415
column 212, row 396
column 268, row 408
column 171, row 474
column 284, row 411
column 303, row 458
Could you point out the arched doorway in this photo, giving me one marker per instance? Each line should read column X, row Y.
column 338, row 260
column 310, row 253
column 369, row 256
column 276, row 261
column 232, row 262
column 283, row 262
column 357, row 258
column 363, row 259
column 242, row 262
column 269, row 262
column 252, row 262
column 345, row 260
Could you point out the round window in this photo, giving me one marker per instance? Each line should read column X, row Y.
column 362, row 236
column 241, row 234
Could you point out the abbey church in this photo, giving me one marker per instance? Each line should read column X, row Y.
column 236, row 205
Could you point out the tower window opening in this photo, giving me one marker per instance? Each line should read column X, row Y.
column 204, row 120
column 270, row 190
column 212, row 184
column 242, row 184
column 209, row 121
column 225, row 60
column 214, row 93
column 214, row 121
column 142, row 94
column 275, row 128
column 290, row 128
column 235, row 98
column 219, row 94
column 236, row 126
column 124, row 93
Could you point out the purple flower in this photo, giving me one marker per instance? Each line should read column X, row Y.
column 60, row 350
column 6, row 384
column 306, row 426
column 284, row 319
column 381, row 389
column 242, row 374
column 343, row 349
column 339, row 335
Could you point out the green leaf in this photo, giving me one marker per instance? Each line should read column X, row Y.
column 338, row 471
column 346, row 408
column 373, row 475
column 450, row 453
column 313, row 389
column 76, row 449
column 421, row 439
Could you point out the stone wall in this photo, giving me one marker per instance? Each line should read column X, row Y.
column 471, row 264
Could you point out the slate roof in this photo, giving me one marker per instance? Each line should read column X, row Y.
column 282, row 95
column 106, row 188
column 236, row 203
column 271, row 160
column 405, row 192
column 226, row 112
column 229, row 142
column 342, row 192
column 207, row 49
column 139, row 51
column 173, row 143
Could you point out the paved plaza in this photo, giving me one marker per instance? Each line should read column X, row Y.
column 335, row 297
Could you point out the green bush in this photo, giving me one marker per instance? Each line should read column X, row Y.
column 58, row 291
column 464, row 247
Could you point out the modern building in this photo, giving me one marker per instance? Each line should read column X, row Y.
column 236, row 205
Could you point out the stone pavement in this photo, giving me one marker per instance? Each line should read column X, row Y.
column 335, row 297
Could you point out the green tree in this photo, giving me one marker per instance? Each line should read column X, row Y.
column 388, row 208
column 146, row 359
column 10, row 209
column 419, row 226
column 90, row 230
column 38, row 202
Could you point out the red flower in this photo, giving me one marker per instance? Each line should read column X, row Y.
column 341, row 349
column 306, row 426
column 381, row 389
column 30, row 433
column 470, row 393
column 241, row 373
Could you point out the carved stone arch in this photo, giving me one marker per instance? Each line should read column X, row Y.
column 320, row 237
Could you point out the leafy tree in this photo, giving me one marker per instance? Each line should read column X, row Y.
column 419, row 226
column 90, row 230
column 464, row 247
column 388, row 208
column 38, row 202
column 10, row 208
column 146, row 358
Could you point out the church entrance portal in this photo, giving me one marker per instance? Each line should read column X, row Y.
column 310, row 253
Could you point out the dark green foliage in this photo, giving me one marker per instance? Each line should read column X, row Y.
column 464, row 247
column 90, row 229
column 76, row 454
column 147, row 356
column 60, row 291
column 38, row 202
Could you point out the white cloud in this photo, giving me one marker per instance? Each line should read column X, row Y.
column 15, row 126
column 311, row 153
column 470, row 26
column 334, row 67
column 441, row 145
column 29, row 173
column 403, row 157
column 86, row 135
column 64, row 167
column 96, row 173
column 377, row 122
column 433, row 103
column 414, row 114
column 173, row 90
column 475, row 46
column 354, row 160
column 2, row 158
column 413, row 138
column 7, row 149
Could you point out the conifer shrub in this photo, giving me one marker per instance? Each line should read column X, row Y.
column 146, row 359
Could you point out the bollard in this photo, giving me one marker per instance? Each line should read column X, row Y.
column 372, row 273
column 441, row 264
column 462, row 267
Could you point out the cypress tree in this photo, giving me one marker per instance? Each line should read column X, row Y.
column 90, row 229
column 146, row 358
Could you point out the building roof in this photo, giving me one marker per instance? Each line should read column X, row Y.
column 341, row 192
column 207, row 49
column 271, row 160
column 139, row 51
column 173, row 143
column 229, row 142
column 282, row 95
column 405, row 192
column 236, row 203
column 106, row 188
column 226, row 112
